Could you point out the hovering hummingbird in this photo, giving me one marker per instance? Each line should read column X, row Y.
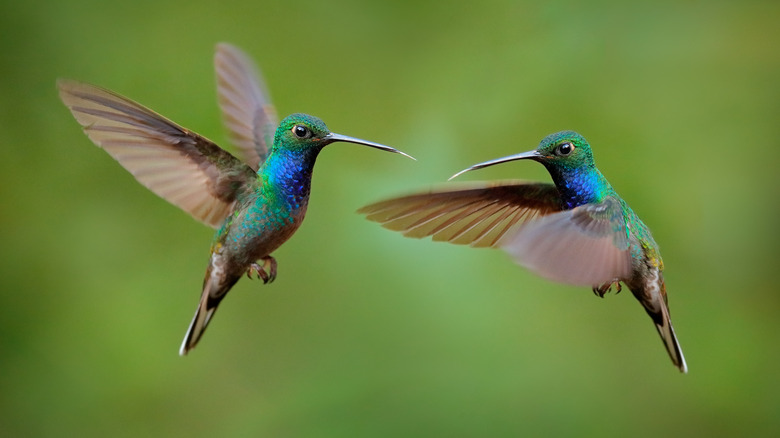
column 577, row 231
column 255, row 205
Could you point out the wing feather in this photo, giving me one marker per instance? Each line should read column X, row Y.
column 180, row 166
column 246, row 108
column 477, row 215
column 585, row 246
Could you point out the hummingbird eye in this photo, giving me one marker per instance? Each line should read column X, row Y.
column 564, row 149
column 301, row 131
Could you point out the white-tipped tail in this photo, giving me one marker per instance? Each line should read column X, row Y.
column 652, row 296
column 666, row 331
column 198, row 325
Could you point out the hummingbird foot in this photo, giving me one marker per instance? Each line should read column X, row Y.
column 266, row 272
column 602, row 290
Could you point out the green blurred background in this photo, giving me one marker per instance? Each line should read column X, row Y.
column 366, row 333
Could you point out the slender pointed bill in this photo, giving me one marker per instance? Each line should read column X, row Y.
column 332, row 138
column 530, row 155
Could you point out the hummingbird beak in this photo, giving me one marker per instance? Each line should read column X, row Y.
column 530, row 155
column 332, row 138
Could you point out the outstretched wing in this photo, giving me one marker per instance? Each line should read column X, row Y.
column 246, row 107
column 180, row 166
column 585, row 246
column 478, row 216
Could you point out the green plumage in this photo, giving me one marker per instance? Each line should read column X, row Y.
column 255, row 204
column 576, row 231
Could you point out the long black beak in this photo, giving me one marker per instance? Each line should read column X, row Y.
column 530, row 155
column 332, row 138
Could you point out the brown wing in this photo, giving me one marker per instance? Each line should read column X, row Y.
column 180, row 166
column 478, row 216
column 585, row 246
column 246, row 107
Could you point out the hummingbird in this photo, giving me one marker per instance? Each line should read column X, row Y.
column 255, row 204
column 577, row 231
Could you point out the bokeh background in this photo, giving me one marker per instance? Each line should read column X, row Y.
column 366, row 333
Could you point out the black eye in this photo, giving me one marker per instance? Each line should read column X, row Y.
column 301, row 131
column 564, row 149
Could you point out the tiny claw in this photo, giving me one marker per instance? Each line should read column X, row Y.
column 266, row 272
column 602, row 290
column 259, row 271
column 269, row 265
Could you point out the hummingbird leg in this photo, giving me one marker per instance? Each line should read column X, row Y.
column 269, row 265
column 602, row 290
column 266, row 272
column 254, row 267
column 259, row 271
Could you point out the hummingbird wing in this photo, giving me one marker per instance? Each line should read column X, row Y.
column 246, row 108
column 180, row 166
column 478, row 216
column 584, row 246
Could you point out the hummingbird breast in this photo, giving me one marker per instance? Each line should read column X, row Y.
column 258, row 226
column 269, row 213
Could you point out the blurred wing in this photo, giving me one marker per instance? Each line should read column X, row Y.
column 180, row 166
column 246, row 107
column 585, row 246
column 477, row 216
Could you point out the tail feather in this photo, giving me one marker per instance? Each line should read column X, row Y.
column 652, row 295
column 214, row 289
column 198, row 325
column 665, row 329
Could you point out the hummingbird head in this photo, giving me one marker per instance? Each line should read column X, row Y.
column 302, row 132
column 565, row 149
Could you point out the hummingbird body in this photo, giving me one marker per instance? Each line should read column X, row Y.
column 271, row 210
column 586, row 185
column 255, row 204
column 576, row 231
column 263, row 219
